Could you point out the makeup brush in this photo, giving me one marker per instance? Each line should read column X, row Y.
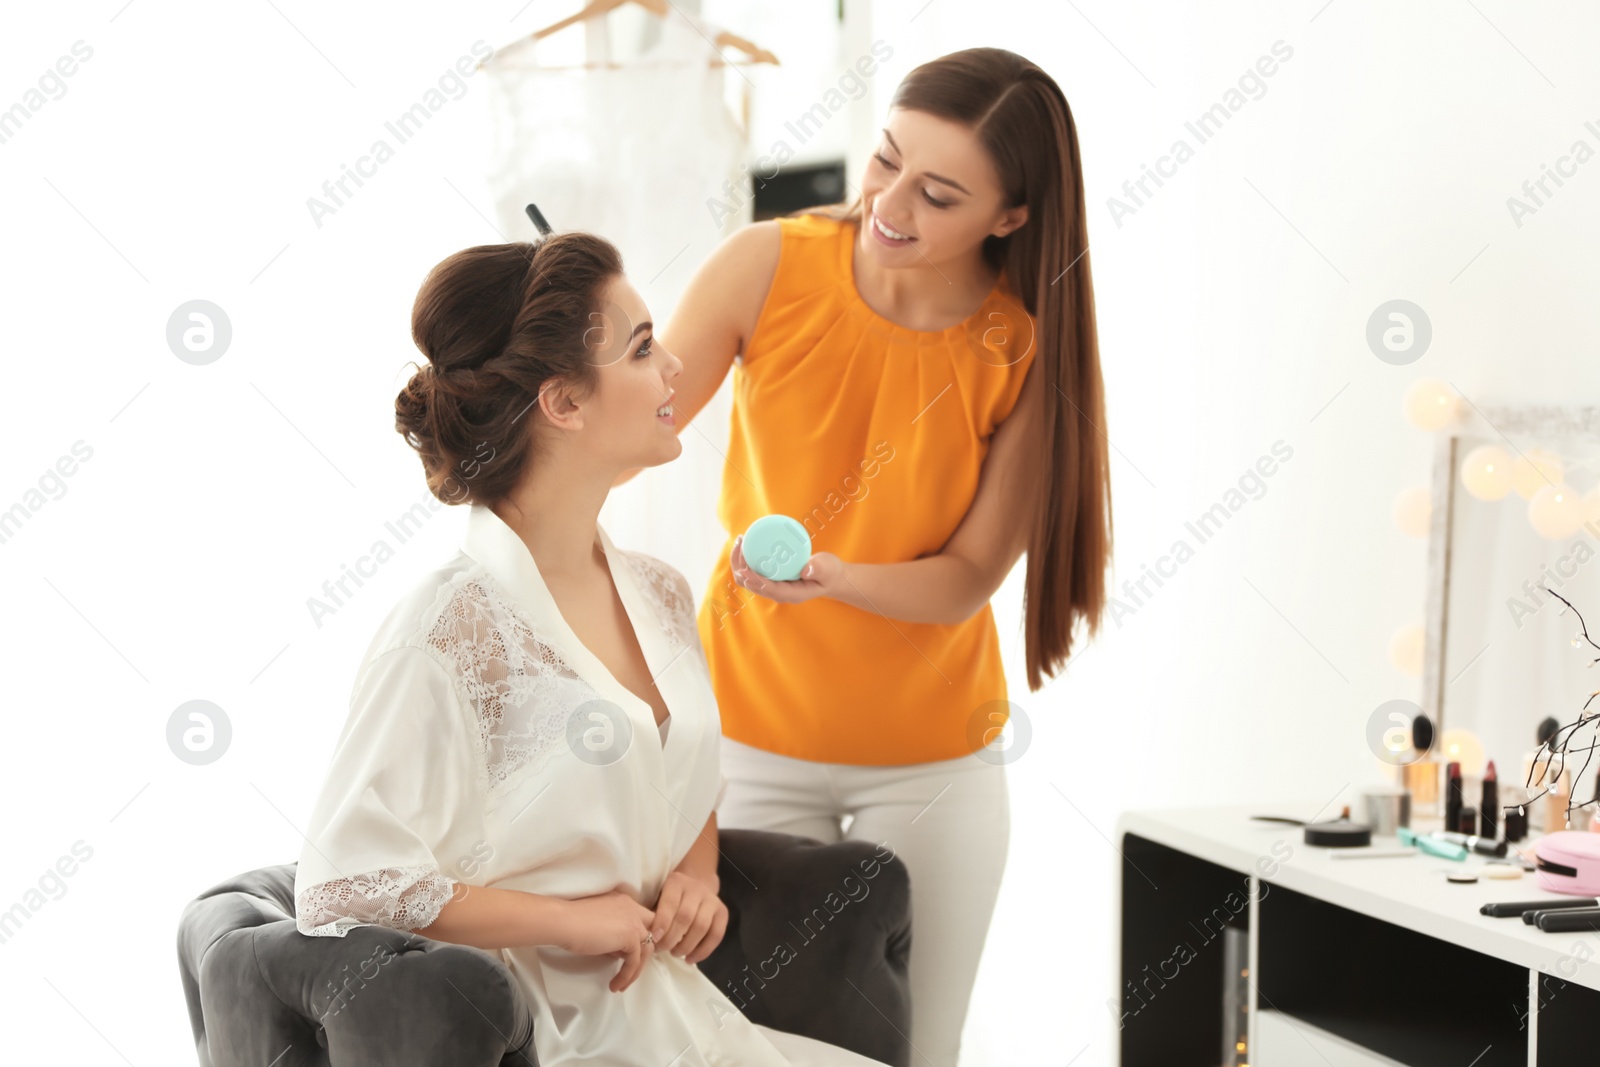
column 1422, row 734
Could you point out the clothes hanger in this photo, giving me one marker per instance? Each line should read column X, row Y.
column 596, row 9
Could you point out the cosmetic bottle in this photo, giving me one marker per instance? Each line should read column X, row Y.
column 1536, row 767
column 1421, row 776
column 1421, row 780
column 1516, row 811
column 1556, row 816
column 1547, row 773
column 1467, row 823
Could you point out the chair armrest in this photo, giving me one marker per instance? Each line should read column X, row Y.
column 256, row 987
column 818, row 940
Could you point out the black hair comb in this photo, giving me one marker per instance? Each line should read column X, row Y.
column 538, row 221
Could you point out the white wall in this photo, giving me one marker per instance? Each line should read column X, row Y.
column 1232, row 310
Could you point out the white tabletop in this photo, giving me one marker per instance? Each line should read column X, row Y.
column 1409, row 891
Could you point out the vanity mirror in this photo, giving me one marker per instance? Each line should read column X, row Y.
column 1516, row 510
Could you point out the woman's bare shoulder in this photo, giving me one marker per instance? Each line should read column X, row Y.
column 751, row 260
column 718, row 310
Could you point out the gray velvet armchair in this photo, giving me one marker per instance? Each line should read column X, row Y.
column 260, row 992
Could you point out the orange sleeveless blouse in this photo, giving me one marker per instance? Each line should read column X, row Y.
column 872, row 436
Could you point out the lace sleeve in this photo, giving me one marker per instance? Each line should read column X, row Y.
column 401, row 807
column 406, row 898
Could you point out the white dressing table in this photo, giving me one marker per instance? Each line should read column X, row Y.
column 1349, row 961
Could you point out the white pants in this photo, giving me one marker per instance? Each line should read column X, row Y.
column 950, row 823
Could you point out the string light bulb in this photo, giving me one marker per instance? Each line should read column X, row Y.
column 1555, row 511
column 1463, row 747
column 1430, row 404
column 1486, row 472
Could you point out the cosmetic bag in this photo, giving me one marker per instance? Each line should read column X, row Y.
column 1568, row 861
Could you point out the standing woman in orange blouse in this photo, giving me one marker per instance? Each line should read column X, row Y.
column 917, row 381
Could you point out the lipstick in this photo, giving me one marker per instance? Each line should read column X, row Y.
column 1453, row 797
column 1489, row 805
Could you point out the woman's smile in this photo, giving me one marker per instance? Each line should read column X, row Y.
column 888, row 234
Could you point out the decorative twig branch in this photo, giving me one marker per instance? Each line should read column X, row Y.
column 1557, row 749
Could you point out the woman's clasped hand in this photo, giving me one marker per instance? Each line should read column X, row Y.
column 688, row 921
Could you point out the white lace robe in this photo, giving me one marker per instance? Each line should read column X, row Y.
column 486, row 745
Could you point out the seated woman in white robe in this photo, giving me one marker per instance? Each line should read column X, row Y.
column 531, row 759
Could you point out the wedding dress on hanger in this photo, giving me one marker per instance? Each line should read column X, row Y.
column 648, row 156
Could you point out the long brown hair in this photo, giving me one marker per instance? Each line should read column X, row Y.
column 1021, row 117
